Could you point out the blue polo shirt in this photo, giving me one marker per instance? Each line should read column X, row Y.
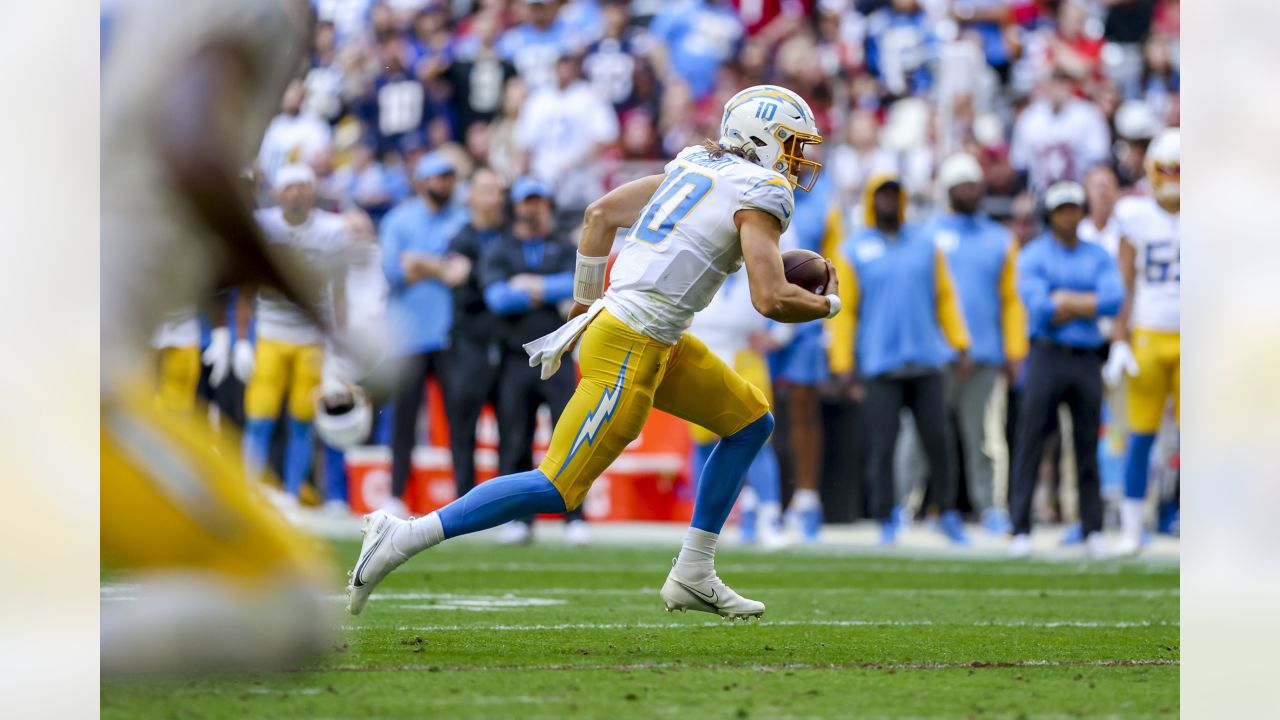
column 419, row 314
column 1046, row 265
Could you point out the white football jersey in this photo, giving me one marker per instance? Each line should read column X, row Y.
column 1153, row 232
column 155, row 255
column 322, row 240
column 686, row 243
column 726, row 324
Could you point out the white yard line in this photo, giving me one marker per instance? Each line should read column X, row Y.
column 971, row 665
column 1050, row 624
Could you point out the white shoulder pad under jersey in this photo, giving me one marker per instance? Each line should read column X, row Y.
column 685, row 242
column 1154, row 233
column 321, row 241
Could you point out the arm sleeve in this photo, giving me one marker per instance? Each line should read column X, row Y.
column 1110, row 288
column 1013, row 317
column 499, row 296
column 390, row 244
column 950, row 317
column 844, row 327
column 773, row 195
column 1034, row 290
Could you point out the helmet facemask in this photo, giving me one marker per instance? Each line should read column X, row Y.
column 1166, row 180
column 792, row 163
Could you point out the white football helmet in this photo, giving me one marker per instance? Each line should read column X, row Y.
column 343, row 418
column 1164, row 165
column 770, row 125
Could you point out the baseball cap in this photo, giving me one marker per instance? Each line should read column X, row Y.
column 1063, row 192
column 431, row 165
column 527, row 187
column 294, row 174
column 959, row 169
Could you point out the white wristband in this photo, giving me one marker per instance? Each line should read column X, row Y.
column 835, row 305
column 588, row 278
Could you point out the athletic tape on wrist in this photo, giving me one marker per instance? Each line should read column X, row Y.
column 588, row 278
column 835, row 305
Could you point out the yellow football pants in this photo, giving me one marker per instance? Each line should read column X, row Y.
column 755, row 370
column 178, row 375
column 1159, row 356
column 279, row 368
column 624, row 374
column 174, row 496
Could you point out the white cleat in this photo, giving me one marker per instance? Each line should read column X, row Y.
column 378, row 557
column 709, row 595
column 1020, row 547
column 576, row 533
column 1127, row 546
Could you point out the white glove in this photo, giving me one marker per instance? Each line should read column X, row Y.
column 242, row 360
column 218, row 355
column 1119, row 361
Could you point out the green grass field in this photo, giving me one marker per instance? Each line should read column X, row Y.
column 472, row 630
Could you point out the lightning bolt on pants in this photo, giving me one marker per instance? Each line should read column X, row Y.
column 624, row 375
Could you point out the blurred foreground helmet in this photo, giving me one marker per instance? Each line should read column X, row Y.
column 770, row 125
column 344, row 416
column 1164, row 164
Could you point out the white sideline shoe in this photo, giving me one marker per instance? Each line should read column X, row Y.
column 576, row 533
column 1096, row 546
column 1127, row 546
column 395, row 506
column 378, row 557
column 1020, row 547
column 707, row 595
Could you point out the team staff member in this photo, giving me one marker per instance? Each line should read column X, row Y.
column 177, row 345
column 526, row 277
column 415, row 242
column 904, row 314
column 983, row 257
column 1066, row 284
column 474, row 353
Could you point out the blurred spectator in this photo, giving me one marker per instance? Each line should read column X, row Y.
column 982, row 256
column 534, row 45
column 1136, row 123
column 1058, row 136
column 349, row 17
column 900, row 47
column 428, row 41
column 475, row 355
column 583, row 22
column 415, row 241
column 860, row 157
column 770, row 21
column 323, row 81
column 1101, row 191
column 479, row 75
column 528, row 284
column 695, row 37
column 395, row 109
column 609, row 63
column 1066, row 285
column 903, row 312
column 504, row 154
column 561, row 130
column 1075, row 50
column 987, row 20
column 293, row 136
column 1160, row 80
column 676, row 121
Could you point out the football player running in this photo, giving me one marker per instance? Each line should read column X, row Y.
column 717, row 206
column 223, row 581
column 1150, row 353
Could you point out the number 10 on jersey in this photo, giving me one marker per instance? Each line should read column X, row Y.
column 675, row 198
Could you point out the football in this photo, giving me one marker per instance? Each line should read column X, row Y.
column 807, row 269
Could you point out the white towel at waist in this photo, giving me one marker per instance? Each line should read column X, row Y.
column 548, row 350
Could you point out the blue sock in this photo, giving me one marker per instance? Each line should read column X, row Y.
column 297, row 456
column 257, row 444
column 724, row 473
column 335, row 474
column 1137, row 464
column 499, row 500
column 764, row 477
